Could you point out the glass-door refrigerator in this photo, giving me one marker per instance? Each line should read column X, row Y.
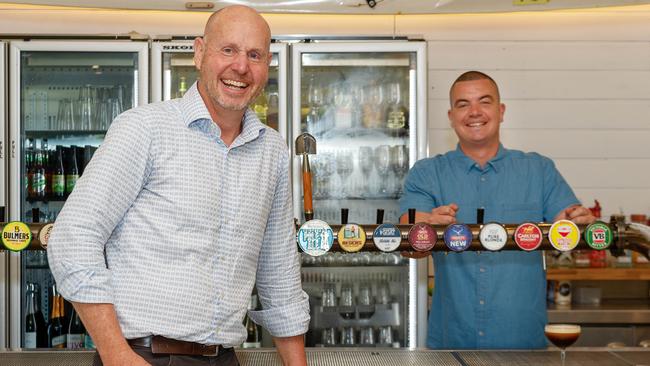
column 365, row 104
column 173, row 72
column 63, row 97
column 4, row 281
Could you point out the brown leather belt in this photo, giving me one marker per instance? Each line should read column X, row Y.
column 162, row 345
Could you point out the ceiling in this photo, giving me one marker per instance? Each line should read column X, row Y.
column 344, row 6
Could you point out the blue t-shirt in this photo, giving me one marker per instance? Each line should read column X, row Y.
column 488, row 300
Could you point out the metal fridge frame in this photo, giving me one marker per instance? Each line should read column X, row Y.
column 418, row 296
column 4, row 256
column 142, row 91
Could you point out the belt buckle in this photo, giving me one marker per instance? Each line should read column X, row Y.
column 215, row 353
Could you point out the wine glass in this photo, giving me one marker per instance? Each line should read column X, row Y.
column 382, row 163
column 399, row 161
column 366, row 162
column 562, row 336
column 344, row 168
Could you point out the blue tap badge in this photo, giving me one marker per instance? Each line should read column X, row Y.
column 315, row 237
column 458, row 237
column 387, row 237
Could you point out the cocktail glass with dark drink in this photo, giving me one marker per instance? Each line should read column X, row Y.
column 562, row 336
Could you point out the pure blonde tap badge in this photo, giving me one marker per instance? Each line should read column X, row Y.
column 16, row 236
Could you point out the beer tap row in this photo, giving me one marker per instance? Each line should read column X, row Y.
column 316, row 237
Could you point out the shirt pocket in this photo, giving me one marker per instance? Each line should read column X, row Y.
column 513, row 213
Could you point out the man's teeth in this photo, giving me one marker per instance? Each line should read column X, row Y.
column 477, row 124
column 237, row 84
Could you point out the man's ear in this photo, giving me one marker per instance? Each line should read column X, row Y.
column 199, row 45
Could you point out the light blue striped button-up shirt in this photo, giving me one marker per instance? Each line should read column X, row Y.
column 173, row 227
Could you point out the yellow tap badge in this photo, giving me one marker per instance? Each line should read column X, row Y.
column 564, row 235
column 351, row 238
column 16, row 236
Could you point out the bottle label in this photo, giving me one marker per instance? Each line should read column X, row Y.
column 16, row 236
column 315, row 237
column 88, row 342
column 75, row 341
column 422, row 237
column 564, row 235
column 59, row 341
column 598, row 235
column 493, row 236
column 387, row 237
column 528, row 236
column 58, row 185
column 30, row 339
column 38, row 183
column 70, row 182
column 396, row 119
column 458, row 237
column 351, row 237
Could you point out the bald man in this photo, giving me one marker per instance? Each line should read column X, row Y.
column 184, row 207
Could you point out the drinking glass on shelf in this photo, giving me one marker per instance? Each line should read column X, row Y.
column 86, row 107
column 562, row 336
column 65, row 118
column 399, row 161
column 366, row 160
column 383, row 293
column 367, row 336
column 346, row 302
column 382, row 163
column 329, row 295
column 386, row 335
column 347, row 336
column 344, row 168
column 329, row 337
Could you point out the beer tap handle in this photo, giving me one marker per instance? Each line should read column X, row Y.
column 380, row 216
column 344, row 216
column 307, row 188
column 480, row 214
column 411, row 216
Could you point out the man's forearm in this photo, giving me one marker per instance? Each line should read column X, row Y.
column 291, row 350
column 101, row 323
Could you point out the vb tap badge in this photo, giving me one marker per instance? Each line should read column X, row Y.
column 315, row 237
column 598, row 235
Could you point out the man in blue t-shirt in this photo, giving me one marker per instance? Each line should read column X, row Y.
column 487, row 299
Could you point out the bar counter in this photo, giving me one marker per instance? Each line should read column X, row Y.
column 377, row 357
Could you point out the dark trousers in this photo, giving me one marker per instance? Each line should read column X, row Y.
column 226, row 358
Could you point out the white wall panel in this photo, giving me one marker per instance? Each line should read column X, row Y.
column 561, row 114
column 605, row 173
column 555, row 85
column 539, row 55
column 628, row 201
column 562, row 144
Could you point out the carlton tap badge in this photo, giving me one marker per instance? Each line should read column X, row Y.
column 315, row 237
column 351, row 237
column 458, row 237
column 16, row 236
column 598, row 235
column 422, row 237
column 387, row 237
column 528, row 236
column 493, row 236
column 564, row 235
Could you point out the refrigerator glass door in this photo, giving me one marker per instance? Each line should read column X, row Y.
column 4, row 283
column 363, row 104
column 173, row 72
column 64, row 97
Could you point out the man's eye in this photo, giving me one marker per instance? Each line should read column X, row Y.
column 255, row 56
column 228, row 51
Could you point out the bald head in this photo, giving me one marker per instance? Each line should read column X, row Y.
column 233, row 16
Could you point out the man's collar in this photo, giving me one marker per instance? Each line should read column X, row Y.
column 194, row 111
column 468, row 163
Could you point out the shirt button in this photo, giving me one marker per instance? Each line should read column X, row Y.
column 480, row 333
column 482, row 179
column 482, row 269
column 481, row 302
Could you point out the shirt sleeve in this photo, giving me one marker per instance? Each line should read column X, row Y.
column 418, row 189
column 285, row 305
column 108, row 187
column 557, row 193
